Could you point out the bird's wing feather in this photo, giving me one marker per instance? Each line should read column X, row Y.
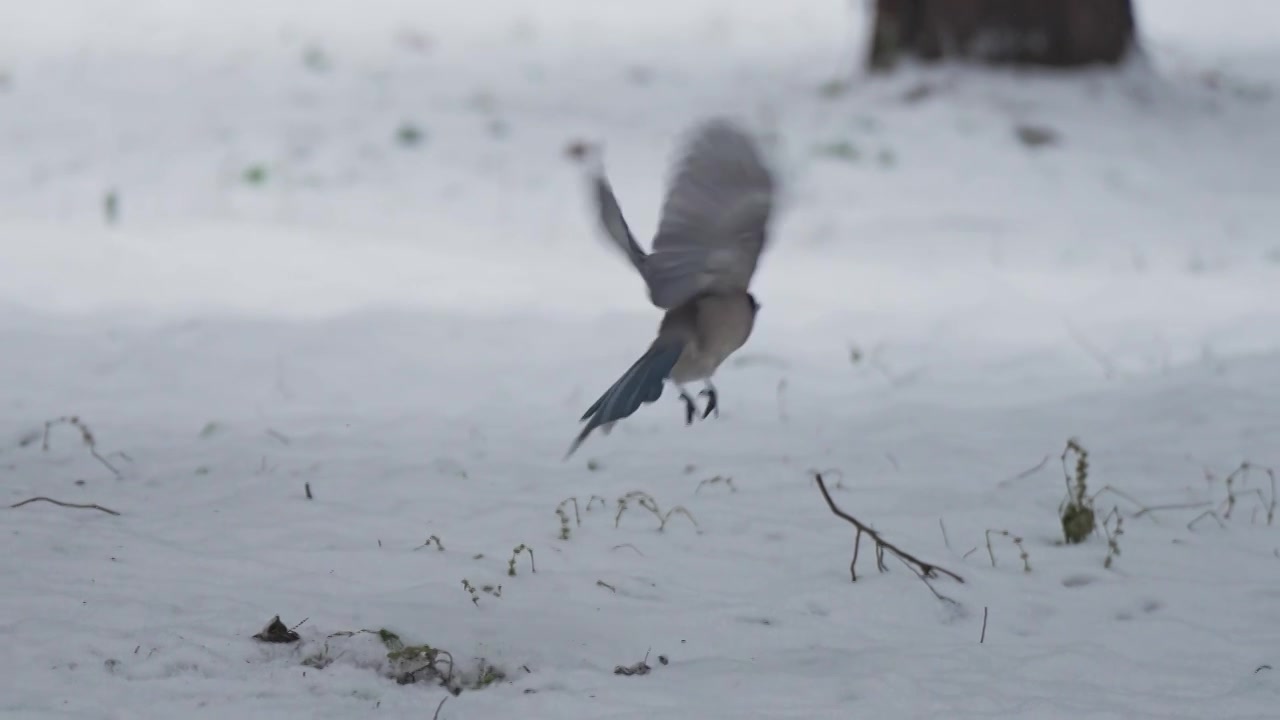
column 714, row 217
column 615, row 225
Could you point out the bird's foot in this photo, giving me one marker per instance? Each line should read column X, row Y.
column 712, row 406
column 690, row 408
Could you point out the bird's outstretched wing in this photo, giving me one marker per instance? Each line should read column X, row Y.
column 612, row 220
column 714, row 218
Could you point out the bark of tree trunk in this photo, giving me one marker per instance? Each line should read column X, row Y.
column 1055, row 33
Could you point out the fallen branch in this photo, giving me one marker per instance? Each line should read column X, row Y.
column 59, row 503
column 923, row 570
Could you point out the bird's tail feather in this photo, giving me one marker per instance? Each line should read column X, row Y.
column 642, row 383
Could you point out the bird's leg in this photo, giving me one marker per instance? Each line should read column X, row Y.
column 710, row 392
column 690, row 407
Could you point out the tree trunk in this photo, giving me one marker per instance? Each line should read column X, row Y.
column 1054, row 33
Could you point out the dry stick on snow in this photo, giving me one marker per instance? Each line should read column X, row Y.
column 85, row 434
column 1207, row 513
column 983, row 638
column 59, row 503
column 436, row 716
column 1170, row 506
column 1026, row 473
column 922, row 569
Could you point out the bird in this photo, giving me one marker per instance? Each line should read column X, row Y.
column 713, row 227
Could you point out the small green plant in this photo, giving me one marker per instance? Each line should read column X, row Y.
column 839, row 150
column 411, row 663
column 494, row 590
column 487, row 674
column 1238, row 479
column 1017, row 542
column 646, row 501
column 408, row 664
column 255, row 174
column 833, row 88
column 1113, row 528
column 111, row 207
column 564, row 516
column 316, row 59
column 515, row 553
column 725, row 480
column 475, row 596
column 409, row 135
column 436, row 540
column 1076, row 511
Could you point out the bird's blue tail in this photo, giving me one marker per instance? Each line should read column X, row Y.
column 640, row 384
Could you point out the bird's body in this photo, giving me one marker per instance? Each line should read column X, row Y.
column 715, row 326
column 712, row 231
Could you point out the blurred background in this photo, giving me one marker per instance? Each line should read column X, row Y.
column 310, row 157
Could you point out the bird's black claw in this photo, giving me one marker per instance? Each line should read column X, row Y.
column 712, row 406
column 690, row 408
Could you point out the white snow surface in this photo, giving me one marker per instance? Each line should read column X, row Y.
column 413, row 332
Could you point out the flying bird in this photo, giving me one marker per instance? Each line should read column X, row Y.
column 712, row 230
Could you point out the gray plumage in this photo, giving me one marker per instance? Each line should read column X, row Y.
column 713, row 228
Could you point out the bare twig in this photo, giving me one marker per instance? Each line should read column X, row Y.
column 1170, row 506
column 1026, row 473
column 85, row 434
column 91, row 506
column 307, row 487
column 1203, row 515
column 1119, row 493
column 923, row 578
column 921, row 568
column 983, row 637
column 436, row 715
column 945, row 541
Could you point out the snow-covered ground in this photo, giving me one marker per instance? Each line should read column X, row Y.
column 292, row 295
